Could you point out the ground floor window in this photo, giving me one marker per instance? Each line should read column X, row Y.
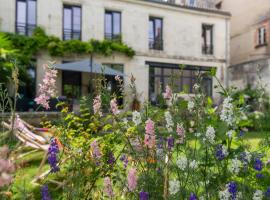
column 179, row 78
column 71, row 84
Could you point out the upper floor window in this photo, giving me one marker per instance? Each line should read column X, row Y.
column 207, row 39
column 26, row 16
column 261, row 36
column 155, row 33
column 72, row 23
column 112, row 25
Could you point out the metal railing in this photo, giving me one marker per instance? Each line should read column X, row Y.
column 24, row 28
column 156, row 43
column 207, row 49
column 69, row 34
column 113, row 37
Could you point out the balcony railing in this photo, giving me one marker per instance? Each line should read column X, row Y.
column 69, row 34
column 25, row 29
column 207, row 49
column 113, row 37
column 156, row 43
column 206, row 4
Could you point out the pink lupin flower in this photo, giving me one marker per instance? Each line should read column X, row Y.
column 47, row 89
column 95, row 149
column 132, row 179
column 181, row 133
column 6, row 167
column 168, row 93
column 150, row 138
column 97, row 105
column 108, row 187
column 114, row 106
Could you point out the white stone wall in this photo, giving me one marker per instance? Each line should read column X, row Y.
column 182, row 29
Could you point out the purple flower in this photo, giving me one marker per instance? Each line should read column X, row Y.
column 52, row 155
column 267, row 193
column 241, row 133
column 258, row 164
column 259, row 175
column 219, row 152
column 232, row 188
column 170, row 142
column 124, row 159
column 160, row 143
column 111, row 159
column 192, row 196
column 45, row 195
column 144, row 195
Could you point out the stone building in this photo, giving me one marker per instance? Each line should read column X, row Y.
column 250, row 50
column 164, row 34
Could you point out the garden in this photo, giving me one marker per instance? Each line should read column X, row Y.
column 181, row 148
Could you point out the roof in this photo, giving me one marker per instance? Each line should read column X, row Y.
column 194, row 8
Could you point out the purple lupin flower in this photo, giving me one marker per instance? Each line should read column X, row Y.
column 258, row 165
column 144, row 195
column 45, row 195
column 124, row 159
column 170, row 142
column 267, row 193
column 52, row 155
column 111, row 159
column 160, row 143
column 219, row 152
column 192, row 196
column 232, row 188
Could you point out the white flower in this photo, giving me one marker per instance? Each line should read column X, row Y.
column 227, row 114
column 182, row 162
column 136, row 118
column 169, row 121
column 258, row 195
column 160, row 154
column 235, row 166
column 210, row 134
column 230, row 133
column 191, row 106
column 224, row 150
column 224, row 195
column 198, row 134
column 196, row 86
column 193, row 164
column 174, row 186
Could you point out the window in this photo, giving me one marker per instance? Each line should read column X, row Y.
column 207, row 39
column 26, row 17
column 261, row 38
column 155, row 33
column 180, row 79
column 112, row 25
column 71, row 83
column 72, row 23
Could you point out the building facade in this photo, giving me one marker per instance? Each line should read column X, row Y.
column 250, row 50
column 164, row 34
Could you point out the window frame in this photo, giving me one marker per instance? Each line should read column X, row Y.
column 261, row 43
column 27, row 26
column 207, row 50
column 69, row 6
column 152, row 41
column 113, row 36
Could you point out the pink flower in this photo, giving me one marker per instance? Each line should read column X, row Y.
column 132, row 179
column 95, row 149
column 168, row 93
column 114, row 106
column 97, row 105
column 108, row 187
column 149, row 138
column 47, row 89
column 6, row 167
column 117, row 78
column 181, row 133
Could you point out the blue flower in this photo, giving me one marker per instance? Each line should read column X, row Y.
column 52, row 155
column 258, row 164
column 267, row 193
column 124, row 159
column 45, row 195
column 170, row 142
column 144, row 195
column 259, row 175
column 111, row 159
column 192, row 196
column 232, row 188
column 219, row 152
column 241, row 133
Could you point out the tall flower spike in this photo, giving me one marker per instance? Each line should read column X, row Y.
column 52, row 155
column 144, row 195
column 108, row 187
column 114, row 106
column 132, row 179
column 181, row 133
column 97, row 105
column 45, row 195
column 95, row 150
column 150, row 138
column 168, row 93
column 47, row 89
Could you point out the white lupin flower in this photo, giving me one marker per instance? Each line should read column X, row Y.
column 169, row 121
column 174, row 186
column 193, row 164
column 235, row 166
column 182, row 162
column 258, row 195
column 224, row 195
column 227, row 114
column 224, row 150
column 191, row 106
column 210, row 134
column 136, row 118
column 230, row 133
